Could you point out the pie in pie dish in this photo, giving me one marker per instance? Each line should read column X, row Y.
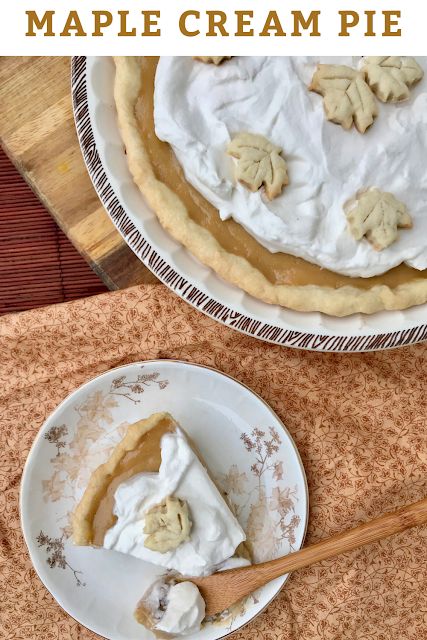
column 313, row 202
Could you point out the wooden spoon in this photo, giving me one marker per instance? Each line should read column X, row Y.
column 224, row 588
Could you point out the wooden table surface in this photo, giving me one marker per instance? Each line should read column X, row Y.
column 37, row 132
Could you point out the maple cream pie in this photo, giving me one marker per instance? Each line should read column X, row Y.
column 155, row 500
column 300, row 180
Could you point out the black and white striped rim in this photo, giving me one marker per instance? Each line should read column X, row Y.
column 186, row 289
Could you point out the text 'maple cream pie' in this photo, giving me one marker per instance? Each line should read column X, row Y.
column 154, row 499
column 300, row 180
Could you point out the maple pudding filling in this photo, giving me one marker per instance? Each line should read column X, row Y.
column 278, row 267
column 145, row 457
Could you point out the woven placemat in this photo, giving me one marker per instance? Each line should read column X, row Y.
column 38, row 264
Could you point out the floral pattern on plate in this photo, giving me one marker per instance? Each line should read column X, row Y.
column 269, row 519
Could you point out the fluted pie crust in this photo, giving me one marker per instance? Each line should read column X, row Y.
column 345, row 297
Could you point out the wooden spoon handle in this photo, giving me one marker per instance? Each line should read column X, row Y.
column 382, row 527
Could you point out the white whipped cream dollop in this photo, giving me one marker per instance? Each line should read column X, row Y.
column 198, row 108
column 177, row 609
column 185, row 610
column 215, row 532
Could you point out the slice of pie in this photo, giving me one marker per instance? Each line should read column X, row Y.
column 154, row 499
column 178, row 117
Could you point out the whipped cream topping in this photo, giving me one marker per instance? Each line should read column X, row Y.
column 198, row 108
column 215, row 532
column 174, row 608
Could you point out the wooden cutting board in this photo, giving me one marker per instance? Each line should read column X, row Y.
column 37, row 132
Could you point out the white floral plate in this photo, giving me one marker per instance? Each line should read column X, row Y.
column 105, row 157
column 245, row 445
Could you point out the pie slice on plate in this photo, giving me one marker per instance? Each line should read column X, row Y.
column 154, row 499
column 293, row 244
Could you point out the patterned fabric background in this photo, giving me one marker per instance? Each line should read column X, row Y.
column 360, row 422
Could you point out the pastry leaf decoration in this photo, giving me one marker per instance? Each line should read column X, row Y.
column 391, row 78
column 167, row 524
column 259, row 163
column 348, row 99
column 377, row 215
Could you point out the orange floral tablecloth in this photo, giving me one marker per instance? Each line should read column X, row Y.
column 360, row 422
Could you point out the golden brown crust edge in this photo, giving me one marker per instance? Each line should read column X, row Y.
column 174, row 217
column 83, row 514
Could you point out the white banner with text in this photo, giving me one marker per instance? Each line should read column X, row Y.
column 213, row 27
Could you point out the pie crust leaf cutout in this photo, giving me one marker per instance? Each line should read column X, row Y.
column 377, row 215
column 347, row 97
column 212, row 59
column 391, row 78
column 167, row 524
column 259, row 163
